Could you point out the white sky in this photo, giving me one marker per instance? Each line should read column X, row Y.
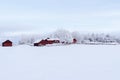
column 47, row 15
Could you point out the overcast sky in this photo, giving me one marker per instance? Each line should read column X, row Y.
column 35, row 15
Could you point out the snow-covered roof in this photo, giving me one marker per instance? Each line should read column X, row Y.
column 38, row 40
column 47, row 39
column 53, row 39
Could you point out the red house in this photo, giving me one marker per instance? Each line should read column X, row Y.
column 46, row 41
column 7, row 43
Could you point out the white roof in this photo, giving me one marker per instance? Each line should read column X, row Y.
column 37, row 40
column 53, row 39
column 47, row 39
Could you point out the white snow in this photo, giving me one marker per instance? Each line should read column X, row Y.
column 73, row 62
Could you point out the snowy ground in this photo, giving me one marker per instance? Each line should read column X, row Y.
column 73, row 62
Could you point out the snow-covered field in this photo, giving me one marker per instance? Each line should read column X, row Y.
column 73, row 62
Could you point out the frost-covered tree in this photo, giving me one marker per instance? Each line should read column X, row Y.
column 67, row 37
column 63, row 35
column 26, row 39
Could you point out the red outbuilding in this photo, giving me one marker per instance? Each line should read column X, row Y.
column 7, row 43
column 74, row 40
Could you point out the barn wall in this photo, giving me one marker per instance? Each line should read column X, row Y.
column 7, row 44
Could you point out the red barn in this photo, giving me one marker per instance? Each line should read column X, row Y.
column 7, row 43
column 46, row 41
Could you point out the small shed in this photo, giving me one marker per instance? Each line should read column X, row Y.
column 7, row 43
column 74, row 40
